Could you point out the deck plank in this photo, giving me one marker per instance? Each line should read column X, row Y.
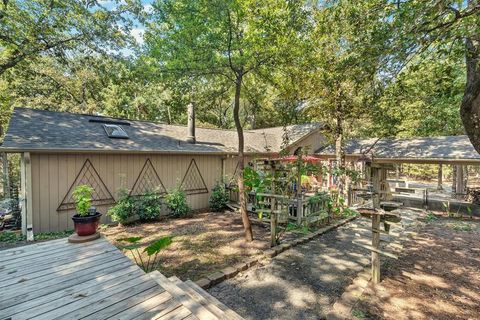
column 70, row 307
column 122, row 306
column 95, row 280
column 149, row 307
column 178, row 314
column 47, row 287
column 81, row 267
column 99, row 305
column 51, row 302
column 45, row 249
column 42, row 263
column 32, row 301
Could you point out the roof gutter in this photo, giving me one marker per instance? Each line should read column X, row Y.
column 427, row 160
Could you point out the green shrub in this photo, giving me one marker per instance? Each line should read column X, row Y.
column 124, row 208
column 176, row 201
column 148, row 207
column 219, row 198
column 83, row 199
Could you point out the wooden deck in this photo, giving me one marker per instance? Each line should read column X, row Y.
column 59, row 280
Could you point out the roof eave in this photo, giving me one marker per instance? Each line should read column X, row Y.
column 116, row 151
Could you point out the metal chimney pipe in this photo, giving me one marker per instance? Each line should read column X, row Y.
column 191, row 124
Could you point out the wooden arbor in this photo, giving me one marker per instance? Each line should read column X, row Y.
column 283, row 206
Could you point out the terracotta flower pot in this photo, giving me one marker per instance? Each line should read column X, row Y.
column 87, row 225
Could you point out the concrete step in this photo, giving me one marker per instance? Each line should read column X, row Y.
column 212, row 301
column 180, row 295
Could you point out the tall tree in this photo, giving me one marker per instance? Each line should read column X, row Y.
column 229, row 39
column 32, row 28
column 347, row 43
column 419, row 25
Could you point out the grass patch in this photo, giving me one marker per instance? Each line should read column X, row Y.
column 358, row 314
column 462, row 226
column 16, row 237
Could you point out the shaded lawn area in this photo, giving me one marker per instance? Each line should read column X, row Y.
column 437, row 276
column 201, row 244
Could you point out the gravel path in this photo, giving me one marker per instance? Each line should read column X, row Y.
column 301, row 283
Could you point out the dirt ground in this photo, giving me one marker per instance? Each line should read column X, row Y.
column 437, row 276
column 201, row 244
column 301, row 283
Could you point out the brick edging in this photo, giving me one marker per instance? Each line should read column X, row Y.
column 230, row 272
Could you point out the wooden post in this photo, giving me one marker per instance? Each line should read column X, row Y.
column 454, row 179
column 375, row 172
column 375, row 245
column 375, row 224
column 273, row 214
column 460, row 188
column 299, row 210
column 23, row 195
column 6, row 176
column 299, row 195
column 440, row 177
column 27, row 206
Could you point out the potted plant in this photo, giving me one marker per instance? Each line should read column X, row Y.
column 87, row 218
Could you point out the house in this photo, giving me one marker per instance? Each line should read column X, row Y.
column 60, row 151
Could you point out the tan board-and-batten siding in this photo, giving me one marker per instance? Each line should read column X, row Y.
column 53, row 175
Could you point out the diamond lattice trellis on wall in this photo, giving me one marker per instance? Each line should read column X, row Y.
column 88, row 176
column 148, row 181
column 193, row 182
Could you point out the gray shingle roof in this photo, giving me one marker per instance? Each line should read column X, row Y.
column 441, row 148
column 32, row 130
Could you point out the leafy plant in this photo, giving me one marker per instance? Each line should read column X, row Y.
column 347, row 213
column 123, row 209
column 10, row 237
column 148, row 206
column 470, row 212
column 219, row 198
column 431, row 217
column 176, row 201
column 83, row 199
column 254, row 181
column 319, row 197
column 152, row 251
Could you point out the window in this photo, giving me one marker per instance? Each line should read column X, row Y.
column 115, row 131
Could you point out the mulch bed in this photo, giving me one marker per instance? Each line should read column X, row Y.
column 437, row 277
column 202, row 244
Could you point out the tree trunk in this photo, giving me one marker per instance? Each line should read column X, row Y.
column 339, row 156
column 440, row 177
column 470, row 107
column 241, row 162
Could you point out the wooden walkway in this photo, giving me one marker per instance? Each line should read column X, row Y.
column 94, row 280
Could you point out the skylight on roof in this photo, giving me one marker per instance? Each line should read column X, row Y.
column 115, row 131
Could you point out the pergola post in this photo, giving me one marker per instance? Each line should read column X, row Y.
column 440, row 177
column 454, row 179
column 6, row 176
column 460, row 185
column 26, row 195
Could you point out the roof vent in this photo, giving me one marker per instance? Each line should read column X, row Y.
column 115, row 131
